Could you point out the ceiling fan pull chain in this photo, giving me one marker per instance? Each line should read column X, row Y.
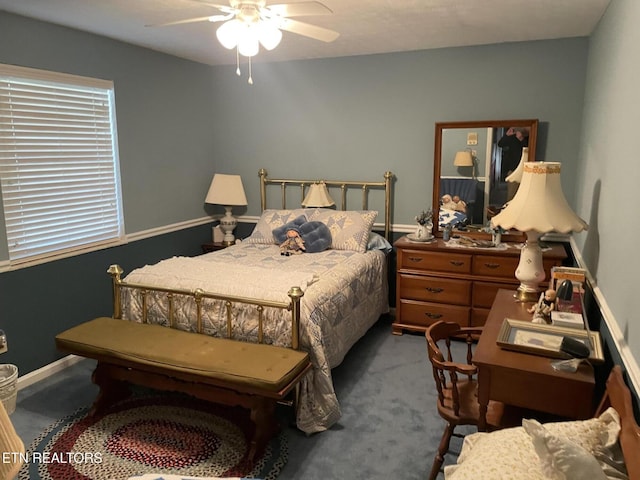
column 250, row 81
column 237, row 62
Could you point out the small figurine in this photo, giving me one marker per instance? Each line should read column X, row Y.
column 447, row 202
column 542, row 310
column 460, row 205
column 293, row 244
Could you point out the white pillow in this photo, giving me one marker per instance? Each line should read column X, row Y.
column 269, row 221
column 349, row 228
column 560, row 458
column 509, row 453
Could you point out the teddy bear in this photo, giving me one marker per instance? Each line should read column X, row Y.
column 293, row 244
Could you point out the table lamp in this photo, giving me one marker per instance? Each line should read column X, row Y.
column 318, row 196
column 538, row 207
column 227, row 190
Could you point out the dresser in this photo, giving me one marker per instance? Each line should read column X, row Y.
column 439, row 282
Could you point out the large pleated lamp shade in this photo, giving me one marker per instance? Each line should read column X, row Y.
column 318, row 196
column 227, row 190
column 539, row 206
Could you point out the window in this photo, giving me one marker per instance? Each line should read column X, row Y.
column 58, row 164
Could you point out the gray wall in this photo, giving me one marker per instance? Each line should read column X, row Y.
column 179, row 122
column 608, row 169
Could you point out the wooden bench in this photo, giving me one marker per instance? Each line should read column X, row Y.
column 220, row 370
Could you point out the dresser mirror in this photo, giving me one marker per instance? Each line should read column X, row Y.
column 471, row 161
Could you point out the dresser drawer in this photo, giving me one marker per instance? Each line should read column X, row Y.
column 436, row 262
column 425, row 314
column 433, row 289
column 494, row 266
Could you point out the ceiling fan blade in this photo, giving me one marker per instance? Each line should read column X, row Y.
column 222, row 8
column 299, row 9
column 307, row 30
column 179, row 22
column 210, row 18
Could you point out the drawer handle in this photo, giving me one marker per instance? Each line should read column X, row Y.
column 492, row 265
column 456, row 263
column 434, row 289
column 415, row 259
column 433, row 316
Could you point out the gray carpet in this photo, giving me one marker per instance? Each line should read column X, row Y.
column 389, row 427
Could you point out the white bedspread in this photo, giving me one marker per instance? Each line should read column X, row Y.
column 229, row 278
column 345, row 293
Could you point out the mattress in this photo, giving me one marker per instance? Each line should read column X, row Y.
column 345, row 292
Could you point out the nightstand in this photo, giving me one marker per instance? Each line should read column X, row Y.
column 212, row 247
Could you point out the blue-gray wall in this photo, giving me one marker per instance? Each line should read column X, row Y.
column 179, row 122
column 608, row 170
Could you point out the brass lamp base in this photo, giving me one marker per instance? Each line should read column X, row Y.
column 524, row 296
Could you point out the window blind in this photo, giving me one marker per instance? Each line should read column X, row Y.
column 58, row 163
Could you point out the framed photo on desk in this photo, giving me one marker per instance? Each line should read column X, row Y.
column 545, row 340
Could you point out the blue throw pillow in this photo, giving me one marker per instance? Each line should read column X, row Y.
column 280, row 233
column 316, row 236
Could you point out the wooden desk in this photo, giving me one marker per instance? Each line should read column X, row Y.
column 525, row 380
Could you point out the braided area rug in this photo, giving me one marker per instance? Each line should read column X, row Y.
column 153, row 433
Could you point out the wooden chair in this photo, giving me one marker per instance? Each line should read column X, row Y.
column 456, row 384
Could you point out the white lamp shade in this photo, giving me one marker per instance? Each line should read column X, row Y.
column 248, row 45
column 226, row 190
column 539, row 204
column 516, row 175
column 318, row 196
column 269, row 35
column 463, row 159
column 229, row 33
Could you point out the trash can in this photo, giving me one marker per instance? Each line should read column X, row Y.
column 8, row 391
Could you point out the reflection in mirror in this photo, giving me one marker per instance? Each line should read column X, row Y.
column 471, row 164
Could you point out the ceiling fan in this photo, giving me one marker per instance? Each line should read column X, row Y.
column 251, row 23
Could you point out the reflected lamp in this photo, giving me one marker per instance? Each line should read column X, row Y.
column 227, row 190
column 539, row 206
column 463, row 158
column 318, row 196
column 516, row 175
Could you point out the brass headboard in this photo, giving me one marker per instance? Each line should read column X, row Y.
column 365, row 186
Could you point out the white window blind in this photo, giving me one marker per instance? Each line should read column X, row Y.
column 58, row 163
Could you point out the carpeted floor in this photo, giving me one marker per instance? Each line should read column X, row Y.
column 389, row 428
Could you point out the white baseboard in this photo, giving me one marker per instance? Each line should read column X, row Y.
column 46, row 371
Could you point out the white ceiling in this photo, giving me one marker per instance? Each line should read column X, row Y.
column 365, row 26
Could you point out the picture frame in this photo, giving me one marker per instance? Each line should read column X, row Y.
column 545, row 340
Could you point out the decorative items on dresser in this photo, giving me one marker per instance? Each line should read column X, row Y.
column 438, row 281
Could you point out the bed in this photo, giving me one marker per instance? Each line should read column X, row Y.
column 243, row 291
column 603, row 447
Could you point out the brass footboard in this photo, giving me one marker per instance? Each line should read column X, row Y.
column 295, row 294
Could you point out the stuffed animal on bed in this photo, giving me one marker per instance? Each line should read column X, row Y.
column 299, row 235
column 293, row 244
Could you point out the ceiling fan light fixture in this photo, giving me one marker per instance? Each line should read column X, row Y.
column 269, row 35
column 229, row 33
column 248, row 44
